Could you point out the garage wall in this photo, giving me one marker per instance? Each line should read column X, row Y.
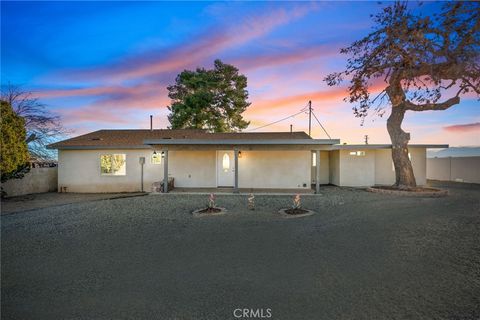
column 274, row 169
column 357, row 171
column 384, row 170
column 419, row 163
column 384, row 173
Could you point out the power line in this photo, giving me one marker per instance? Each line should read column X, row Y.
column 321, row 125
column 283, row 119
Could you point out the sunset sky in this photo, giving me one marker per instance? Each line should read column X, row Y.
column 107, row 64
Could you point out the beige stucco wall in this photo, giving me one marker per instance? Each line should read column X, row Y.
column 384, row 170
column 192, row 168
column 334, row 167
column 357, row 171
column 274, row 169
column 375, row 168
column 464, row 169
column 79, row 170
column 37, row 180
column 324, row 169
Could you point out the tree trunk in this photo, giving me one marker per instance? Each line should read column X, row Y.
column 404, row 177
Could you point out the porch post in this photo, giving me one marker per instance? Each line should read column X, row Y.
column 235, row 188
column 165, row 170
column 317, row 171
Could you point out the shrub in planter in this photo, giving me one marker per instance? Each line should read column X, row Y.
column 211, row 207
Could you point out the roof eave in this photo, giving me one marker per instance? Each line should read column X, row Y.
column 241, row 141
column 386, row 146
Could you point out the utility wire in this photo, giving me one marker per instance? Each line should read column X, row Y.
column 321, row 125
column 291, row 116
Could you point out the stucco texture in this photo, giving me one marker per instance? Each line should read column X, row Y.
column 79, row 170
column 374, row 168
column 37, row 180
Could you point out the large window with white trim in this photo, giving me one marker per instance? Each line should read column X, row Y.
column 113, row 164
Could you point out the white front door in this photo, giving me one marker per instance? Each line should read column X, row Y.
column 225, row 169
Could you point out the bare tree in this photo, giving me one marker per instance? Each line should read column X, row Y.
column 420, row 59
column 42, row 125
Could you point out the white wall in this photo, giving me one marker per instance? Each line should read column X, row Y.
column 419, row 164
column 384, row 170
column 324, row 169
column 376, row 167
column 334, row 166
column 79, row 170
column 357, row 171
column 274, row 169
column 37, row 180
column 193, row 168
column 464, row 169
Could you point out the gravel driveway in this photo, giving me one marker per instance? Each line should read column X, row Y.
column 362, row 256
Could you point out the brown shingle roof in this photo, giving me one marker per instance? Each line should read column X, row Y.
column 134, row 138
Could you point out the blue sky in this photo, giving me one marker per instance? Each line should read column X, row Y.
column 107, row 64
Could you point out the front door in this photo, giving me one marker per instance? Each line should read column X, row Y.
column 225, row 169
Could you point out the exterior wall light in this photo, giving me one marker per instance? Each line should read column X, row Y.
column 314, row 159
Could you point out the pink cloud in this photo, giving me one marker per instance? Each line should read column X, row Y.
column 460, row 128
column 272, row 60
column 192, row 54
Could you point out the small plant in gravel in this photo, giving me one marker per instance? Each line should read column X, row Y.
column 297, row 206
column 211, row 205
column 297, row 202
column 251, row 202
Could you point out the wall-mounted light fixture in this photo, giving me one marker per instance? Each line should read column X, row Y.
column 314, row 159
column 239, row 154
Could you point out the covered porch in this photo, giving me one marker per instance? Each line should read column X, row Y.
column 242, row 166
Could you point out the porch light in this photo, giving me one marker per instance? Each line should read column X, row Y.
column 163, row 154
column 226, row 162
column 239, row 154
column 314, row 159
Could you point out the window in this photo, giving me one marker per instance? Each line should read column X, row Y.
column 357, row 153
column 226, row 162
column 156, row 158
column 113, row 164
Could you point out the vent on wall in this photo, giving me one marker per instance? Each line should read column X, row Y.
column 96, row 139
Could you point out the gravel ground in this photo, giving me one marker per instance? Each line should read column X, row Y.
column 362, row 256
column 51, row 199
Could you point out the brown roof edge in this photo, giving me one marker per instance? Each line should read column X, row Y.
column 135, row 137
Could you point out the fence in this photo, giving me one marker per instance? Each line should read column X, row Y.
column 461, row 169
column 37, row 180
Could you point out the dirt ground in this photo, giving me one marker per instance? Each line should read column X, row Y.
column 53, row 199
column 361, row 256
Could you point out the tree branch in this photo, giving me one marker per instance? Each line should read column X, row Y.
column 432, row 106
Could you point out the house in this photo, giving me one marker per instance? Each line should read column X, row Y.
column 127, row 160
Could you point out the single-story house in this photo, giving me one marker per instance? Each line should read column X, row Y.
column 129, row 160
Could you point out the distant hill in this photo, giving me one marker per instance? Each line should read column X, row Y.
column 454, row 152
